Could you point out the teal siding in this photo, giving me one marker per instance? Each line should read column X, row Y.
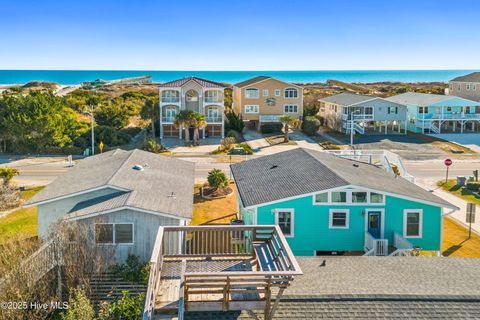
column 312, row 232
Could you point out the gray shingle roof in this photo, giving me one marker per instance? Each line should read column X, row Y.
column 303, row 171
column 150, row 189
column 346, row 98
column 203, row 82
column 419, row 99
column 103, row 203
column 377, row 288
column 251, row 81
column 471, row 77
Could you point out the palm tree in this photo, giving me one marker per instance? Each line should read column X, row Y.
column 199, row 122
column 7, row 174
column 288, row 122
column 217, row 179
column 183, row 119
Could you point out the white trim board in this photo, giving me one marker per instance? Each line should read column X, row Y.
column 95, row 214
column 292, row 218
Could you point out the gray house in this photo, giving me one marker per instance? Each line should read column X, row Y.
column 364, row 114
column 121, row 198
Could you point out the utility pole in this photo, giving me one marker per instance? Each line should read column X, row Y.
column 93, row 132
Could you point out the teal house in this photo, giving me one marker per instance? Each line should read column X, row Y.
column 435, row 113
column 325, row 204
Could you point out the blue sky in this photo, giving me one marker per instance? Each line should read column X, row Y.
column 239, row 35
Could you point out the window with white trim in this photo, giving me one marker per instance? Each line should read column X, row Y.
column 422, row 109
column 376, row 197
column 265, row 93
column 412, row 223
column 321, row 197
column 114, row 233
column 291, row 108
column 170, row 96
column 291, row 93
column 359, row 196
column 339, row 196
column 277, row 92
column 459, row 87
column 468, row 86
column 339, row 219
column 451, row 87
column 251, row 93
column 284, row 219
column 251, row 108
column 474, row 87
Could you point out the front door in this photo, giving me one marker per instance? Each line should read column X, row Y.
column 374, row 223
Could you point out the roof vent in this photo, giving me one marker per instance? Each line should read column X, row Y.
column 355, row 165
column 172, row 195
column 138, row 167
column 274, row 166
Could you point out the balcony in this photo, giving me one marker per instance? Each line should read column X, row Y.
column 170, row 100
column 218, row 268
column 270, row 118
column 213, row 100
column 361, row 116
column 217, row 119
column 170, row 119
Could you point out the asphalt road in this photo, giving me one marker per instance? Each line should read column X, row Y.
column 436, row 169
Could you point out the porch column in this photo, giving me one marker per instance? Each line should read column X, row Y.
column 406, row 127
column 462, row 123
column 203, row 133
column 161, row 130
column 223, row 128
column 180, row 129
column 399, row 125
column 386, row 126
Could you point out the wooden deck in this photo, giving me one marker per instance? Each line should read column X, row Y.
column 218, row 268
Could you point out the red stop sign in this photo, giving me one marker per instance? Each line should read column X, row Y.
column 448, row 162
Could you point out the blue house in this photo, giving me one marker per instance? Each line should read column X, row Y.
column 324, row 203
column 434, row 113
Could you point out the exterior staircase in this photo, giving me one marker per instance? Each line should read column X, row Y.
column 108, row 287
column 434, row 128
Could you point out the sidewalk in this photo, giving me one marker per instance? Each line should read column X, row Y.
column 458, row 215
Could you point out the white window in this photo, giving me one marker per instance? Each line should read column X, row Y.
column 339, row 196
column 359, row 197
column 459, row 87
column 251, row 93
column 291, row 93
column 321, row 198
column 412, row 223
column 474, row 86
column 114, row 233
column 251, row 108
column 451, row 87
column 277, row 92
column 468, row 86
column 265, row 93
column 170, row 113
column 422, row 109
column 213, row 112
column 291, row 108
column 212, row 96
column 170, row 96
column 284, row 218
column 339, row 219
column 376, row 197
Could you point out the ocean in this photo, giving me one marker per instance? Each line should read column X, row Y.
column 71, row 77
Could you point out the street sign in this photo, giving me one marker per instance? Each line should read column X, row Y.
column 470, row 217
column 448, row 162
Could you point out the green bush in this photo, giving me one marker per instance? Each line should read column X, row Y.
column 310, row 125
column 151, row 145
column 217, row 179
column 109, row 136
column 234, row 121
column 127, row 308
column 274, row 127
column 79, row 307
column 473, row 186
column 246, row 148
column 132, row 270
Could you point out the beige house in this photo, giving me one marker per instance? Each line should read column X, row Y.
column 467, row 86
column 196, row 94
column 265, row 99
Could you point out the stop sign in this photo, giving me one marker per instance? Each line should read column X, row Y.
column 448, row 162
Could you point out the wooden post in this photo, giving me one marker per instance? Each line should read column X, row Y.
column 268, row 298
column 275, row 305
column 226, row 293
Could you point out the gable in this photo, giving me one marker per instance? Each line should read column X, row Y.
column 271, row 83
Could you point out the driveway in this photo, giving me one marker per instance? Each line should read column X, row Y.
column 206, row 146
column 469, row 140
column 261, row 147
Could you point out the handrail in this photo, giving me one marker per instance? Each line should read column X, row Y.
column 181, row 298
column 400, row 242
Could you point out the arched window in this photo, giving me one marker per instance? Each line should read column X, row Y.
column 291, row 93
column 191, row 96
column 170, row 96
column 213, row 114
column 169, row 113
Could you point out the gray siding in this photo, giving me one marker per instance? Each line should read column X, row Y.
column 381, row 110
column 50, row 213
column 145, row 228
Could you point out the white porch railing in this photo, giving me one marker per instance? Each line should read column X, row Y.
column 434, row 127
column 379, row 246
column 402, row 245
column 154, row 277
column 363, row 116
column 168, row 119
column 214, row 119
column 270, row 118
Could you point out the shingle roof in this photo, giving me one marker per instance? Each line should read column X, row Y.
column 377, row 288
column 303, row 171
column 346, row 98
column 251, row 81
column 203, row 82
column 471, row 77
column 150, row 189
column 103, row 203
column 417, row 98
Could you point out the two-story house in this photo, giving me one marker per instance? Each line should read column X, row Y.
column 265, row 99
column 346, row 111
column 435, row 113
column 195, row 94
column 467, row 86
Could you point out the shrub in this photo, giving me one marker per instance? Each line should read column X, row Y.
column 110, row 136
column 227, row 143
column 473, row 186
column 217, row 179
column 132, row 270
column 274, row 127
column 246, row 148
column 79, row 307
column 235, row 134
column 310, row 125
column 113, row 115
column 127, row 308
column 151, row 145
column 234, row 121
column 9, row 197
column 7, row 174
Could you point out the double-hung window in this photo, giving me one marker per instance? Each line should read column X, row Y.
column 285, row 220
column 291, row 108
column 459, row 87
column 277, row 92
column 114, row 233
column 422, row 109
column 291, row 93
column 339, row 219
column 468, row 86
column 251, row 108
column 412, row 223
column 251, row 93
column 265, row 92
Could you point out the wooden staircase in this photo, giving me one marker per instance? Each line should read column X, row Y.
column 108, row 287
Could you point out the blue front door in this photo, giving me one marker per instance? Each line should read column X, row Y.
column 374, row 223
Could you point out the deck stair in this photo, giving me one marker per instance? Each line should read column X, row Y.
column 106, row 287
column 381, row 247
column 434, row 128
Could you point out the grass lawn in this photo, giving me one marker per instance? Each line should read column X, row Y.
column 459, row 192
column 456, row 242
column 218, row 211
column 21, row 223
